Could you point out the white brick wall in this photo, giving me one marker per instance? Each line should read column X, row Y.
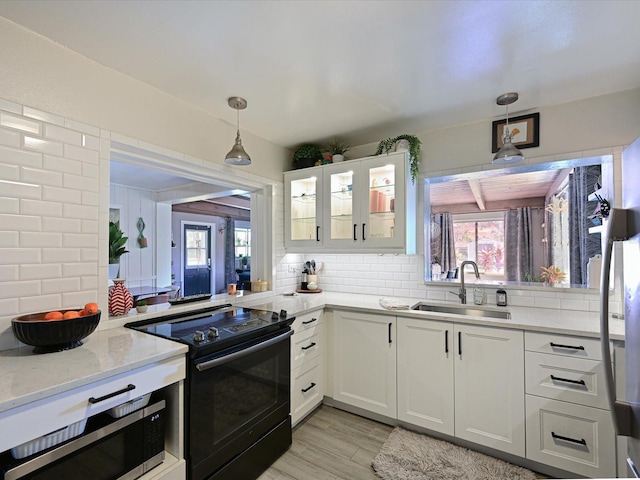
column 49, row 219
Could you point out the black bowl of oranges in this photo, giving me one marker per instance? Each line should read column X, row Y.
column 58, row 330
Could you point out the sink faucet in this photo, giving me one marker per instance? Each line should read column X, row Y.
column 462, row 293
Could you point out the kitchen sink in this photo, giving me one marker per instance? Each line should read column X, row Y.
column 462, row 310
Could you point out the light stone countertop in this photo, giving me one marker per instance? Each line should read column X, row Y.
column 26, row 377
column 113, row 349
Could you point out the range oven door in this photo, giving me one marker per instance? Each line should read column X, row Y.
column 235, row 398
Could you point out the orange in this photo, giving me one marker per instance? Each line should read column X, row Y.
column 82, row 313
column 53, row 316
column 91, row 308
column 70, row 314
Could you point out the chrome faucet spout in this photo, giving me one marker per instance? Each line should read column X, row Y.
column 463, row 290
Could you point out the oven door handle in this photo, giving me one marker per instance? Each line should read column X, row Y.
column 242, row 353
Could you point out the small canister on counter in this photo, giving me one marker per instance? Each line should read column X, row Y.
column 501, row 298
column 478, row 296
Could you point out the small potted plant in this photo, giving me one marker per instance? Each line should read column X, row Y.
column 552, row 274
column 306, row 156
column 337, row 148
column 141, row 306
column 117, row 242
column 244, row 261
column 386, row 145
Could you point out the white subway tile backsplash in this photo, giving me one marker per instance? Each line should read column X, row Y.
column 40, row 177
column 79, row 269
column 20, row 123
column 10, row 256
column 20, row 189
column 61, row 285
column 78, row 299
column 9, row 239
column 89, row 283
column 63, row 195
column 40, row 239
column 9, row 138
column 38, row 207
column 41, row 145
column 9, row 172
column 41, row 303
column 91, row 142
column 87, row 212
column 44, row 116
column 66, row 225
column 9, row 273
column 90, row 198
column 82, row 127
column 89, row 254
column 40, row 271
column 79, row 240
column 60, row 255
column 90, row 170
column 20, row 289
column 11, row 107
column 80, row 153
column 20, row 222
column 80, row 183
column 20, row 157
column 9, row 205
column 9, row 307
column 64, row 135
column 60, row 164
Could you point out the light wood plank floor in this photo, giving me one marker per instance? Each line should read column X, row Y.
column 331, row 444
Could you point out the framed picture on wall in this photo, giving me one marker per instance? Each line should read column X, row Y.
column 524, row 131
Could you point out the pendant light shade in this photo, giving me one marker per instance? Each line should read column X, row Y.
column 508, row 153
column 237, row 155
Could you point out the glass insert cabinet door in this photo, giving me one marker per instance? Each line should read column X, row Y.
column 382, row 202
column 342, row 208
column 303, row 197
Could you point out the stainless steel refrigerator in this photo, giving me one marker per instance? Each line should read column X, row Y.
column 624, row 225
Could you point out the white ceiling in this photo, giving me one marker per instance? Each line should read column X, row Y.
column 364, row 70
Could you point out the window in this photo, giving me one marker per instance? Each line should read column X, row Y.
column 196, row 248
column 480, row 238
column 243, row 245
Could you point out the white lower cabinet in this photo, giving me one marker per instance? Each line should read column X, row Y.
column 364, row 368
column 572, row 437
column 489, row 387
column 463, row 380
column 425, row 374
column 307, row 383
column 569, row 423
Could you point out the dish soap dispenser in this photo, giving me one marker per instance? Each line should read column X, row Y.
column 501, row 298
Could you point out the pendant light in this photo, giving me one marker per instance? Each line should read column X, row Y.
column 237, row 155
column 508, row 153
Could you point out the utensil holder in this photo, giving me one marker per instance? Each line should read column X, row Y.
column 312, row 279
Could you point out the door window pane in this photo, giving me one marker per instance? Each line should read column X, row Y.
column 196, row 248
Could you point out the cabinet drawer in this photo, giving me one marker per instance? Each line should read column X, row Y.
column 571, row 437
column 305, row 346
column 306, row 389
column 307, row 321
column 575, row 380
column 69, row 407
column 578, row 347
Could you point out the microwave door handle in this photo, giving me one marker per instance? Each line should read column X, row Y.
column 615, row 230
column 242, row 353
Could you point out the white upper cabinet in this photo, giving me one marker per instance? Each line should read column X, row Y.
column 361, row 204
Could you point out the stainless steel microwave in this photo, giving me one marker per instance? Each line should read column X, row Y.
column 110, row 449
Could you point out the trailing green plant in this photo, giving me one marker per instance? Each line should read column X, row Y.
column 387, row 144
column 117, row 242
column 308, row 150
column 337, row 146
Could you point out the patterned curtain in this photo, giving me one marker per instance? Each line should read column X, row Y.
column 519, row 253
column 230, row 274
column 582, row 245
column 442, row 242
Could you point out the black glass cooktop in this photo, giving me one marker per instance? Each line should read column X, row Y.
column 215, row 327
